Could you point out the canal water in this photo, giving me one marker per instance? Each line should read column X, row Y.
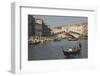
column 52, row 50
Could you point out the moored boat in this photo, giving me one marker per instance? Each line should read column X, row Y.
column 57, row 39
column 72, row 39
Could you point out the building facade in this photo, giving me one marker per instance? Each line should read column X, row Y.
column 37, row 27
column 31, row 23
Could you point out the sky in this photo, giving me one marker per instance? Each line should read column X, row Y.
column 60, row 20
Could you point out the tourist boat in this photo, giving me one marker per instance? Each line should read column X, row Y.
column 34, row 42
column 57, row 39
column 72, row 39
column 73, row 50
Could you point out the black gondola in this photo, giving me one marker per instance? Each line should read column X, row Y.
column 73, row 50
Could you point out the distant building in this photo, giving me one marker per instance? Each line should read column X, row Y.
column 31, row 22
column 46, row 30
column 37, row 27
column 41, row 29
column 85, row 29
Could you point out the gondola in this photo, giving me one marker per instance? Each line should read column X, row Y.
column 71, row 50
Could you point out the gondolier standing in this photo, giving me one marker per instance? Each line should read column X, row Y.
column 79, row 43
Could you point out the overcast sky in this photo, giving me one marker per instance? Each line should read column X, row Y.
column 61, row 20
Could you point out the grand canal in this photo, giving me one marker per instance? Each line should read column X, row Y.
column 52, row 50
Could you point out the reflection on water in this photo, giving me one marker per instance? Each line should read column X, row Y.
column 52, row 50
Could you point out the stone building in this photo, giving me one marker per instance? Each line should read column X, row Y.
column 37, row 27
column 31, row 23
